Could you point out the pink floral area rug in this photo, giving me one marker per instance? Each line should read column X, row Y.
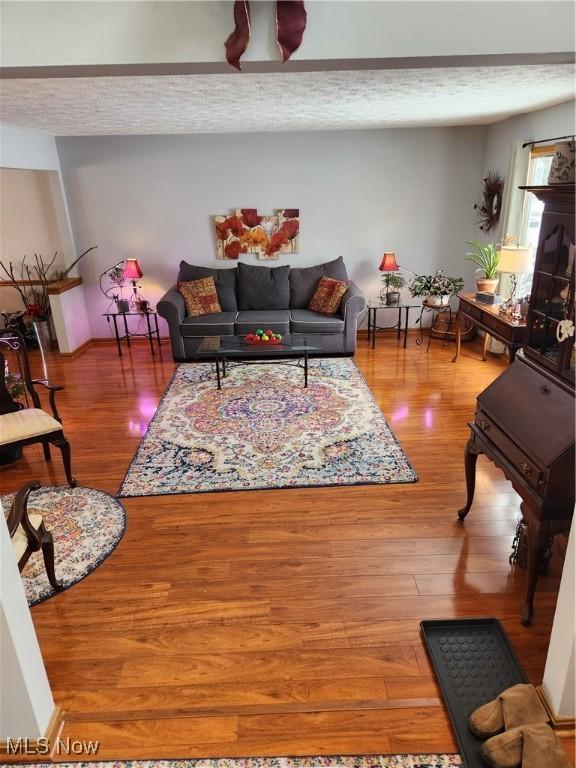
column 324, row 761
column 264, row 429
column 86, row 525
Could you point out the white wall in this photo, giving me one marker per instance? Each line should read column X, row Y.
column 559, row 681
column 359, row 193
column 34, row 218
column 20, row 148
column 26, row 703
column 40, row 33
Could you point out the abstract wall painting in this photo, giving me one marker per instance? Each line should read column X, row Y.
column 265, row 236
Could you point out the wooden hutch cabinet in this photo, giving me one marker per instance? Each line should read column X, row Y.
column 553, row 288
column 524, row 420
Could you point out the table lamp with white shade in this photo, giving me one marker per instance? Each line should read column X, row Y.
column 515, row 260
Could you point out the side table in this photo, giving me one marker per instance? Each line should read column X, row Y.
column 150, row 332
column 488, row 319
column 374, row 306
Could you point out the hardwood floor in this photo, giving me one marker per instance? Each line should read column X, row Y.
column 284, row 621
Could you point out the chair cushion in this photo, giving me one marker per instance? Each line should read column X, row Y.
column 217, row 324
column 224, row 280
column 200, row 297
column 304, row 280
column 306, row 321
column 29, row 422
column 20, row 540
column 263, row 287
column 278, row 320
column 328, row 296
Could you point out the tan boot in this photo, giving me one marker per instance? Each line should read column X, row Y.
column 504, row 750
column 543, row 749
column 521, row 705
column 518, row 705
column 487, row 720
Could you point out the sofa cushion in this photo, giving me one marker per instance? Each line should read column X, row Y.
column 224, row 280
column 217, row 324
column 263, row 287
column 306, row 321
column 304, row 280
column 278, row 320
column 200, row 297
column 328, row 296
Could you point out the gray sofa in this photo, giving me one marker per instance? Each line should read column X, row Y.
column 254, row 297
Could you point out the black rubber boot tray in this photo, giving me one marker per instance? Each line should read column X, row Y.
column 474, row 662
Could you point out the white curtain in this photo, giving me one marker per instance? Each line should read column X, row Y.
column 513, row 202
column 511, row 215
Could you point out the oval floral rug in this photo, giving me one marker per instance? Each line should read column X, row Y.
column 86, row 526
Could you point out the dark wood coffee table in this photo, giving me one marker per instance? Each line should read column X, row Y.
column 231, row 351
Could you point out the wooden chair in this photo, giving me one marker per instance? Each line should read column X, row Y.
column 29, row 534
column 21, row 425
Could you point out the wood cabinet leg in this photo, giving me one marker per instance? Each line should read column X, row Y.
column 470, row 459
column 485, row 346
column 458, row 338
column 538, row 534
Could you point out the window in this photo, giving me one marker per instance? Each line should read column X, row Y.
column 538, row 170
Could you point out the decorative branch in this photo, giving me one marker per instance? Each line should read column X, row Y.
column 35, row 297
column 63, row 274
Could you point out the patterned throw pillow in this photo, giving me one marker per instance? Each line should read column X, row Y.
column 200, row 297
column 328, row 296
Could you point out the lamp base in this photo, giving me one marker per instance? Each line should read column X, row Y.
column 389, row 298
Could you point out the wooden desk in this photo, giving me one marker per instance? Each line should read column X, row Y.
column 487, row 318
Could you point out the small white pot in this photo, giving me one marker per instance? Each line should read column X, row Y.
column 436, row 301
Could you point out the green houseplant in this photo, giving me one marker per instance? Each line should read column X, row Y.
column 436, row 289
column 394, row 281
column 487, row 258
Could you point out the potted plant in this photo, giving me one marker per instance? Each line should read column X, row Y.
column 436, row 289
column 487, row 258
column 394, row 281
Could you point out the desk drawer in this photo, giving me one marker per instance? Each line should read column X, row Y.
column 531, row 472
column 472, row 312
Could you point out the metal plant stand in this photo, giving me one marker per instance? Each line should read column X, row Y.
column 436, row 309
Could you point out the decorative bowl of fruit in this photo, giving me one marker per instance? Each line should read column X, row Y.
column 263, row 337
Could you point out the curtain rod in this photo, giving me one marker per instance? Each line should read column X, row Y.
column 543, row 141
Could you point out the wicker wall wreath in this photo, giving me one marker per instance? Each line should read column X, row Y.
column 491, row 204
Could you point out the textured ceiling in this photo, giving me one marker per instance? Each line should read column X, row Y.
column 285, row 101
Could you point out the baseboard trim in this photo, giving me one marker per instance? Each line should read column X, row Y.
column 558, row 723
column 53, row 731
column 78, row 351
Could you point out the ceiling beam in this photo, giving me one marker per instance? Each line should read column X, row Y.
column 312, row 65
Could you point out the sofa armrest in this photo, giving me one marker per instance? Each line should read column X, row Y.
column 172, row 308
column 353, row 302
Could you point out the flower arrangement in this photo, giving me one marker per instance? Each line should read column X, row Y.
column 436, row 285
